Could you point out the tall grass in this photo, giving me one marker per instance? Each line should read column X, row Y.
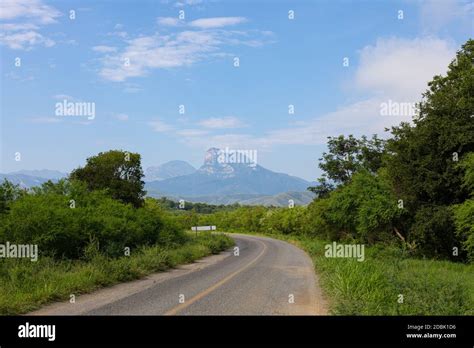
column 374, row 286
column 26, row 285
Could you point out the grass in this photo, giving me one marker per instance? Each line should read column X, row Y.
column 26, row 285
column 372, row 287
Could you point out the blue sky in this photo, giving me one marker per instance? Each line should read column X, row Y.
column 190, row 62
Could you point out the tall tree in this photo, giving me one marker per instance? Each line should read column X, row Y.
column 422, row 158
column 345, row 156
column 118, row 172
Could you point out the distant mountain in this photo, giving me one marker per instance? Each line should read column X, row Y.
column 279, row 200
column 25, row 181
column 168, row 170
column 30, row 178
column 43, row 173
column 220, row 180
column 227, row 175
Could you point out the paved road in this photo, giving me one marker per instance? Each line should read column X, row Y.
column 267, row 277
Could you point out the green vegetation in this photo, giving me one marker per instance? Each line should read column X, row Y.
column 118, row 172
column 203, row 208
column 416, row 185
column 92, row 230
column 409, row 199
column 65, row 219
column 464, row 213
column 26, row 285
column 374, row 286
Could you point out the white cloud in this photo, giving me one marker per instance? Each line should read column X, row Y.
column 145, row 53
column 104, row 49
column 156, row 51
column 402, row 67
column 191, row 132
column 160, row 126
column 222, row 122
column 437, row 14
column 33, row 10
column 168, row 21
column 25, row 40
column 216, row 22
column 358, row 118
column 29, row 17
column 391, row 70
column 183, row 3
column 17, row 26
column 119, row 33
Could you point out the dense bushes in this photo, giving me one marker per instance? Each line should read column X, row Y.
column 464, row 213
column 65, row 218
column 8, row 193
column 242, row 219
column 433, row 231
column 286, row 221
column 364, row 209
column 464, row 220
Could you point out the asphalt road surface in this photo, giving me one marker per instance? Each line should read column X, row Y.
column 267, row 277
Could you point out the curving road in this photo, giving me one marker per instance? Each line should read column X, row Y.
column 268, row 277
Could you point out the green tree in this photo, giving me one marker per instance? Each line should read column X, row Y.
column 323, row 188
column 118, row 172
column 364, row 209
column 346, row 155
column 9, row 192
column 422, row 158
column 464, row 213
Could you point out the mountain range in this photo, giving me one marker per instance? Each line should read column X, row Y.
column 229, row 179
column 168, row 170
column 220, row 180
column 30, row 178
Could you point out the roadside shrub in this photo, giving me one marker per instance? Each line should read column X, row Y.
column 285, row 220
column 317, row 220
column 363, row 209
column 464, row 222
column 65, row 224
column 464, row 213
column 433, row 231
